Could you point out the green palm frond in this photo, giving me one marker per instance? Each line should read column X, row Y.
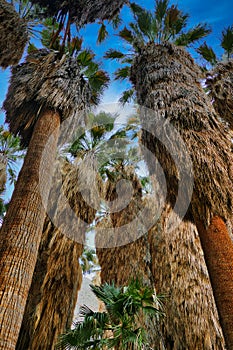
column 122, row 73
column 227, row 40
column 102, row 33
column 193, row 35
column 114, row 54
column 161, row 9
column 207, row 53
column 127, row 96
column 127, row 35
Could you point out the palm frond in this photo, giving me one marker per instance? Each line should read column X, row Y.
column 193, row 35
column 114, row 54
column 207, row 53
column 122, row 73
column 127, row 96
column 227, row 40
column 102, row 33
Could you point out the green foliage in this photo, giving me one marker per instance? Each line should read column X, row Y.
column 11, row 152
column 193, row 35
column 165, row 23
column 102, row 34
column 227, row 40
column 88, row 260
column 126, row 307
column 207, row 53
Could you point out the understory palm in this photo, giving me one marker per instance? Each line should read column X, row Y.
column 118, row 326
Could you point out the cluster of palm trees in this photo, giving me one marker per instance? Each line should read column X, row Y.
column 186, row 255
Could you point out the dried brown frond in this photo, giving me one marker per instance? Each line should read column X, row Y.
column 83, row 11
column 220, row 85
column 167, row 82
column 180, row 272
column 13, row 35
column 44, row 80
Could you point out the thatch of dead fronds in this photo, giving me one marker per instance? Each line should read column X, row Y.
column 180, row 272
column 44, row 81
column 167, row 82
column 220, row 85
column 13, row 35
column 120, row 263
column 82, row 11
column 57, row 277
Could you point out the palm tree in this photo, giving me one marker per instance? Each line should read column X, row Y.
column 219, row 80
column 125, row 306
column 166, row 81
column 58, row 275
column 35, row 113
column 13, row 35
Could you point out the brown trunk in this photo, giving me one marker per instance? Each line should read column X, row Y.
column 22, row 227
column 53, row 294
column 57, row 277
column 120, row 260
column 218, row 249
column 180, row 272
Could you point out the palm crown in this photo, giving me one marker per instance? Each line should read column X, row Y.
column 165, row 24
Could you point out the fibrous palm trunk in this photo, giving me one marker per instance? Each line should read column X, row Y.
column 43, row 91
column 220, row 84
column 13, row 35
column 125, row 254
column 167, row 83
column 58, row 276
column 180, row 273
column 22, row 227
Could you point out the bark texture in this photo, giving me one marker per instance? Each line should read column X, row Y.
column 219, row 259
column 58, row 276
column 13, row 35
column 220, row 84
column 167, row 83
column 124, row 259
column 180, row 273
column 22, row 227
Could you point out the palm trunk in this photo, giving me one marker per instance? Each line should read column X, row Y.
column 220, row 84
column 180, row 273
column 58, row 276
column 125, row 256
column 22, row 227
column 53, row 294
column 219, row 259
column 167, row 82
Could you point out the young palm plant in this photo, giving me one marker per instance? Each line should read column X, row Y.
column 219, row 80
column 125, row 307
column 166, row 81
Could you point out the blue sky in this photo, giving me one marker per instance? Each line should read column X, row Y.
column 216, row 13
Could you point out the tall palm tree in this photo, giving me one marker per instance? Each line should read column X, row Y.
column 219, row 80
column 13, row 35
column 35, row 114
column 58, row 276
column 166, row 81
